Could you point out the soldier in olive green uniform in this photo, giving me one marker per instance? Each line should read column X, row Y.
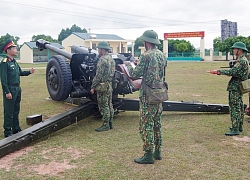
column 10, row 79
column 239, row 72
column 151, row 67
column 102, row 84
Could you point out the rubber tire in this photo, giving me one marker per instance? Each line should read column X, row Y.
column 58, row 78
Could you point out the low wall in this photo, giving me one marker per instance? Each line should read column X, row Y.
column 220, row 57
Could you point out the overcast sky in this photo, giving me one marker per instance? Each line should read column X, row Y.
column 125, row 18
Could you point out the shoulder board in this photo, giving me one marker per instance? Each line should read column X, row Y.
column 5, row 60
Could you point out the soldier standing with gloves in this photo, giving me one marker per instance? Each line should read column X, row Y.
column 102, row 84
column 10, row 79
column 151, row 67
column 239, row 72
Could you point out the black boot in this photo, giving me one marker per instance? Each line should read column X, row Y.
column 157, row 154
column 146, row 159
column 7, row 135
column 233, row 132
column 17, row 131
column 104, row 127
column 240, row 128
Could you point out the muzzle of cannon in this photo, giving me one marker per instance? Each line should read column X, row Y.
column 42, row 44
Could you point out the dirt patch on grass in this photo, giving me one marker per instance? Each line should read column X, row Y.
column 243, row 139
column 71, row 153
column 58, row 160
column 7, row 161
column 57, row 165
column 53, row 168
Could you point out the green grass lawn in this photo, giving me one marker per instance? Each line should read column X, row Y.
column 194, row 144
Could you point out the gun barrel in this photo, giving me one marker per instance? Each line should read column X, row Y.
column 59, row 51
column 83, row 50
column 41, row 44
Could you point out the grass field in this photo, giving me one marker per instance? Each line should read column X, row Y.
column 194, row 144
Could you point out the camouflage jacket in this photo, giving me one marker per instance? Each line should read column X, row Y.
column 105, row 70
column 239, row 72
column 150, row 67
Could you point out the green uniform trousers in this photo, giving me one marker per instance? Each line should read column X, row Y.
column 11, row 111
column 236, row 108
column 150, row 125
column 105, row 106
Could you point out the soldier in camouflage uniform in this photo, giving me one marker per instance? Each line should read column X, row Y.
column 151, row 67
column 239, row 72
column 102, row 84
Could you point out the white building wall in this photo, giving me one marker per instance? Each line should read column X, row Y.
column 72, row 40
column 26, row 54
column 75, row 40
column 115, row 45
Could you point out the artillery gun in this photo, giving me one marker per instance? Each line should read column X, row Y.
column 73, row 76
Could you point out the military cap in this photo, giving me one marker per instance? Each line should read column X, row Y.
column 150, row 36
column 240, row 45
column 103, row 45
column 8, row 44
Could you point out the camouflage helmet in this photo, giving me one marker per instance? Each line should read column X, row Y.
column 240, row 45
column 150, row 36
column 103, row 45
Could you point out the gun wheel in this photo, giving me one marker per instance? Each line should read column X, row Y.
column 58, row 78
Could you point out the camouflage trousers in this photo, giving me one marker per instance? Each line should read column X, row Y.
column 236, row 108
column 150, row 125
column 105, row 106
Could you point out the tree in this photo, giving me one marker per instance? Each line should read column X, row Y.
column 182, row 47
column 44, row 37
column 173, row 45
column 4, row 38
column 66, row 32
column 226, row 45
column 138, row 43
column 216, row 43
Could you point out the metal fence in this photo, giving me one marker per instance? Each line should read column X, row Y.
column 216, row 53
column 207, row 52
column 185, row 54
